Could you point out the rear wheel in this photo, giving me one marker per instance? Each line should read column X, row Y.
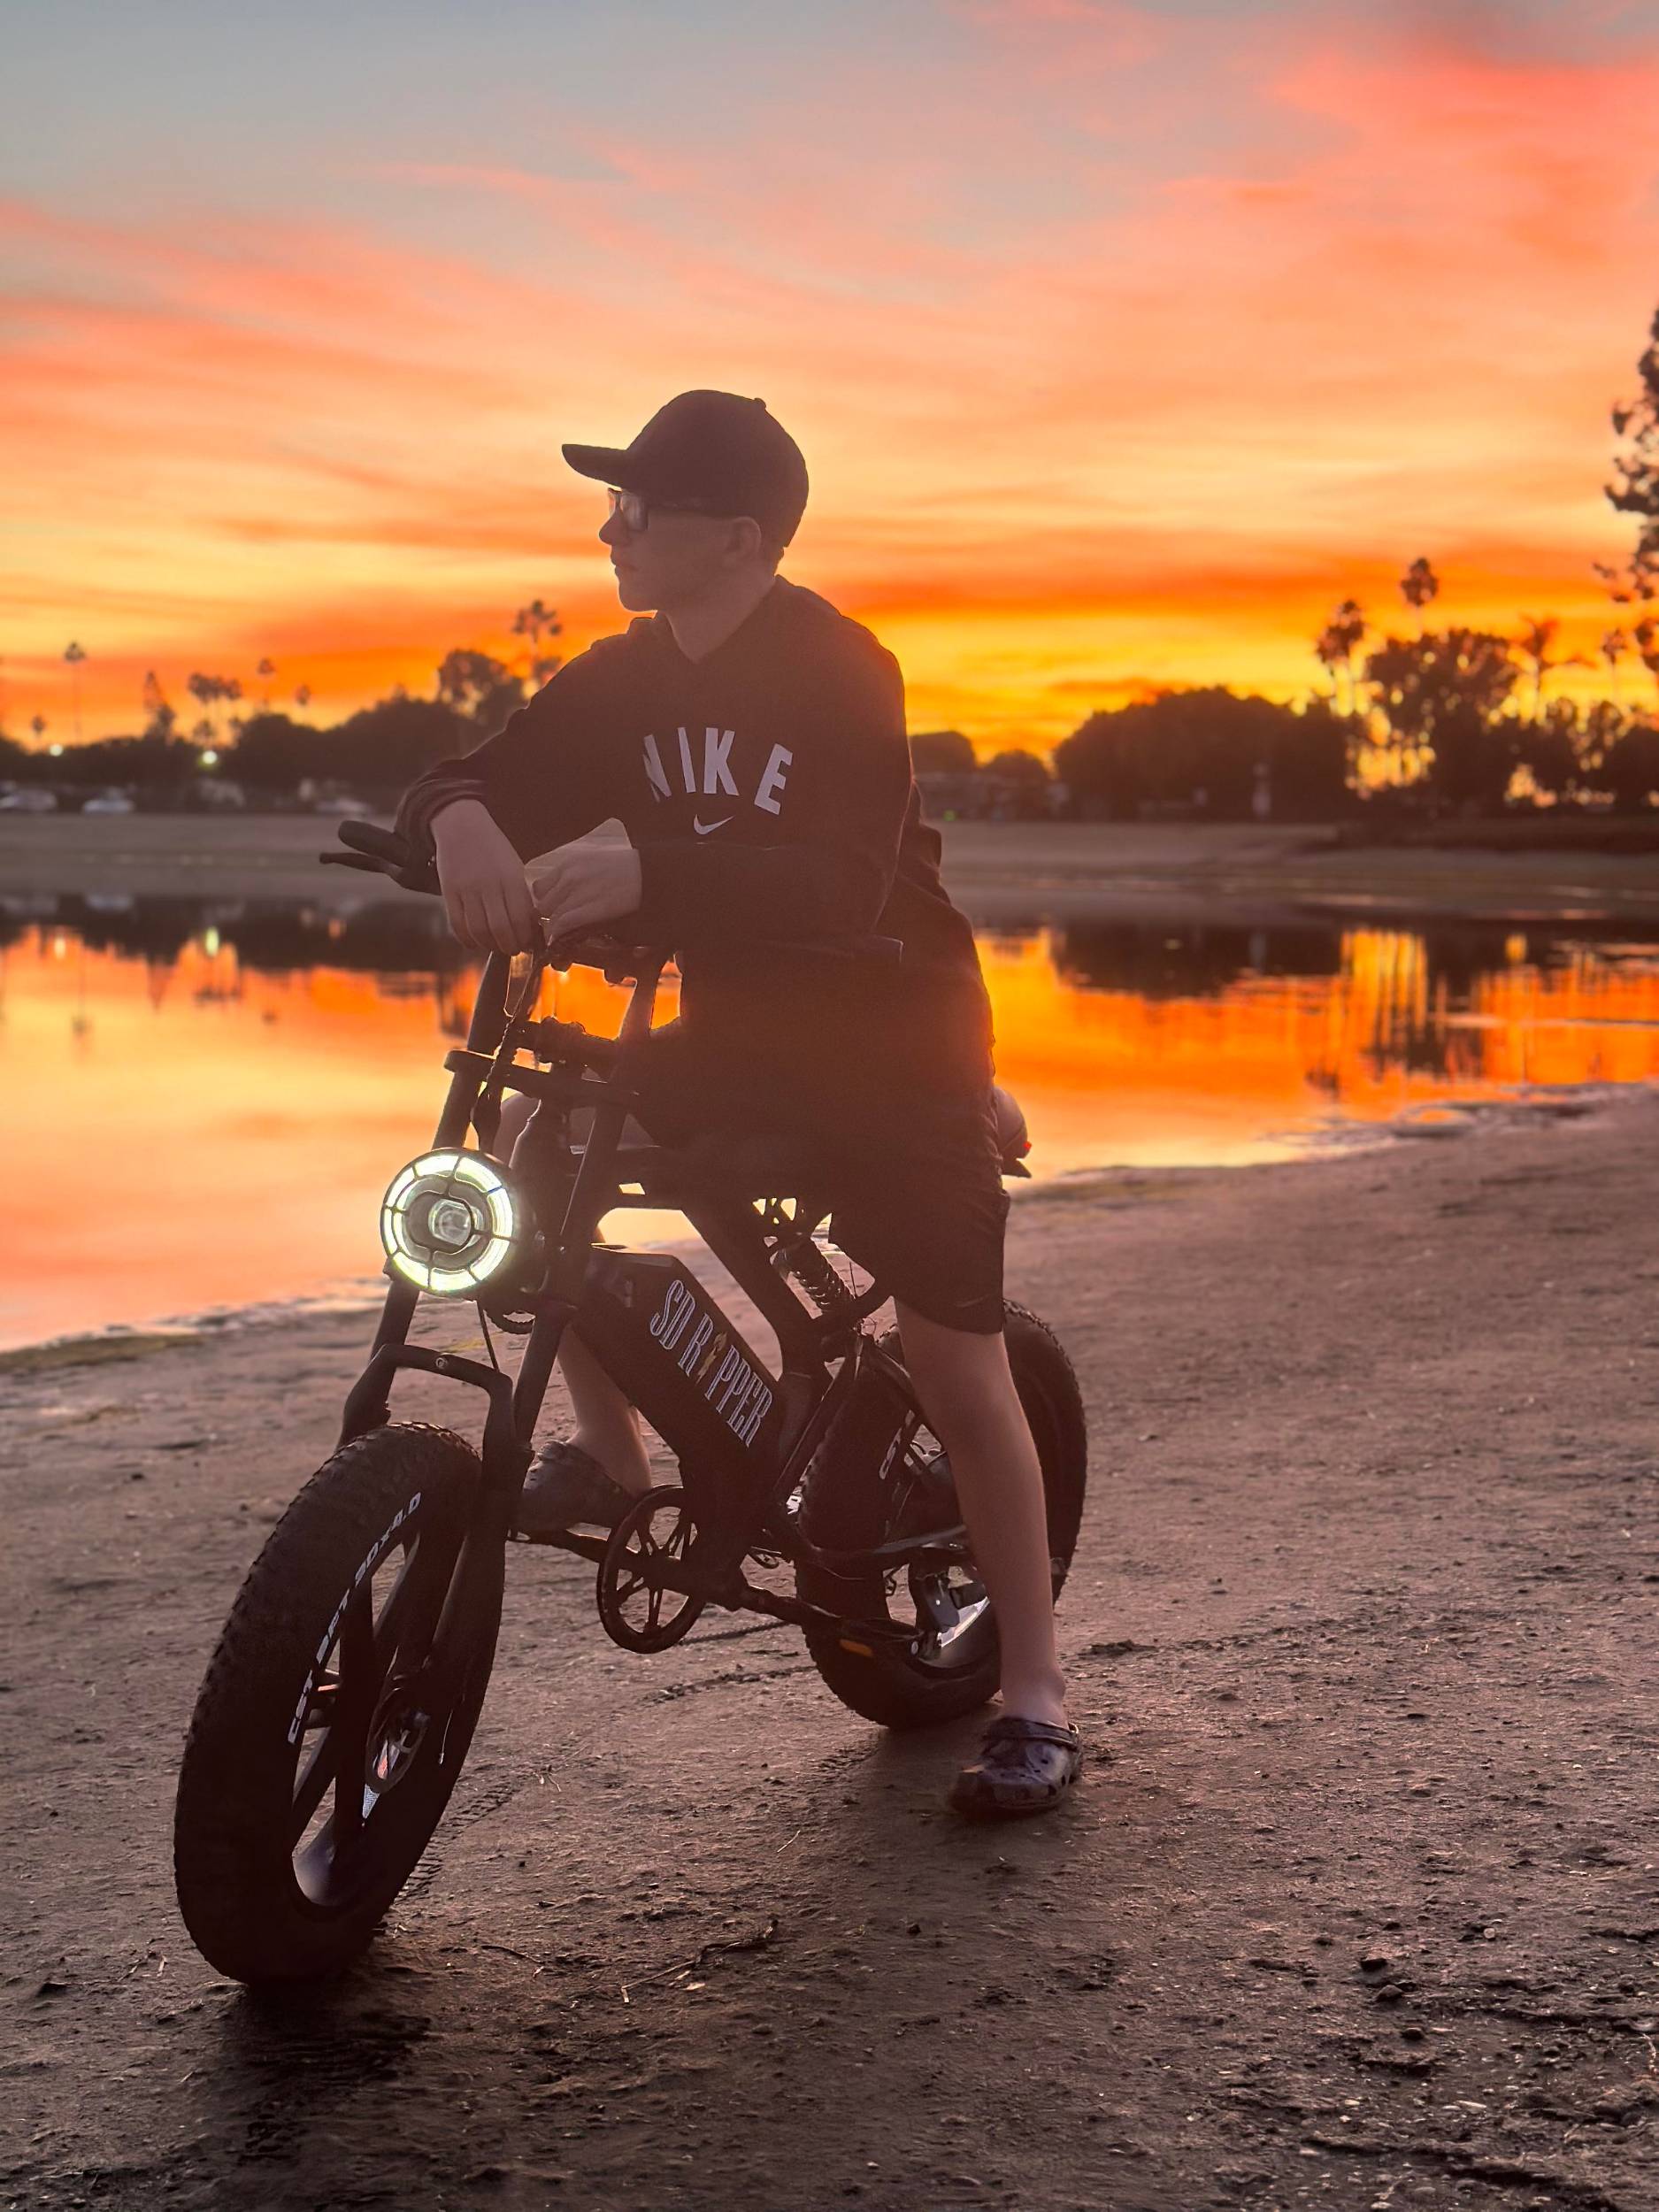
column 337, row 1709
column 948, row 1661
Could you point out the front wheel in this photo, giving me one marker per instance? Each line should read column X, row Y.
column 337, row 1709
column 948, row 1663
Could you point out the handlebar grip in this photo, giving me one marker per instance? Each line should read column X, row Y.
column 383, row 852
column 368, row 837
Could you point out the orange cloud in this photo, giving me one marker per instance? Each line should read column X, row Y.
column 1245, row 329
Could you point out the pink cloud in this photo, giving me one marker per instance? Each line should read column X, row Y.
column 1383, row 315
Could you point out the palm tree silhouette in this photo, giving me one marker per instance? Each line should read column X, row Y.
column 1418, row 587
column 74, row 655
column 1336, row 643
column 1615, row 645
column 1538, row 634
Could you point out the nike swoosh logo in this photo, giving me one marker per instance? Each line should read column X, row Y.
column 703, row 828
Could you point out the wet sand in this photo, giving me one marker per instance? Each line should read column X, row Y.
column 1356, row 1906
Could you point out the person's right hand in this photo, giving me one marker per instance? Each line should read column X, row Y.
column 485, row 894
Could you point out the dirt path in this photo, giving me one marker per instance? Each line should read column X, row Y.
column 1355, row 1907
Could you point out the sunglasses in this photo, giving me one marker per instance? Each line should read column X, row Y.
column 636, row 511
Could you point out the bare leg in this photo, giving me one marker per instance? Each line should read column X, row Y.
column 966, row 1389
column 607, row 1425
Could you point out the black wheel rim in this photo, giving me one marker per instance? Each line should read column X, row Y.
column 374, row 1715
column 944, row 1608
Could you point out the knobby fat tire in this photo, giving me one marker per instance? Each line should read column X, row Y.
column 233, row 1862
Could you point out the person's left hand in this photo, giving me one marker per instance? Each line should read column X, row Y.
column 581, row 887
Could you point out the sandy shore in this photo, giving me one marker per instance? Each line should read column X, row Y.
column 1356, row 1906
column 1000, row 872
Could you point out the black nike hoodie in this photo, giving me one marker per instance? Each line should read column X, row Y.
column 767, row 789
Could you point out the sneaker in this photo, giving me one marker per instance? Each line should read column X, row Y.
column 567, row 1486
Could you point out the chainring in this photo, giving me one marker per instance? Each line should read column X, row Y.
column 636, row 1608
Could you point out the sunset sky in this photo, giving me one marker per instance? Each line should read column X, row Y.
column 1121, row 340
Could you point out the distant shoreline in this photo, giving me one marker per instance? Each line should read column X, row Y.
column 1000, row 873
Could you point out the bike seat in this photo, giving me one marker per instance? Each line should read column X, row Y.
column 757, row 1164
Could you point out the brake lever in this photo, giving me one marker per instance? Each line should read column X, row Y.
column 383, row 853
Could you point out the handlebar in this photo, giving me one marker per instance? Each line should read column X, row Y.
column 383, row 852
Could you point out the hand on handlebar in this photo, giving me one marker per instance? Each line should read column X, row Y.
column 584, row 887
column 485, row 892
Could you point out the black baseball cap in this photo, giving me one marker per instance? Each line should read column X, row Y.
column 712, row 450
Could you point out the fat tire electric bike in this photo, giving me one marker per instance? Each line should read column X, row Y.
column 339, row 1704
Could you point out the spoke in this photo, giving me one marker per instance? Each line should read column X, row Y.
column 312, row 1784
column 654, row 1611
column 396, row 1605
column 409, row 1619
column 360, row 1691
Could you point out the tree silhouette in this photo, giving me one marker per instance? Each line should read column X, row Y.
column 388, row 745
column 208, row 692
column 264, row 671
column 1162, row 751
column 1636, row 490
column 1418, row 587
column 537, row 622
column 478, row 686
column 1335, row 647
column 1631, row 771
column 274, row 753
column 1615, row 645
column 1538, row 634
column 157, row 713
column 1554, row 748
column 1026, row 782
column 40, row 725
column 942, row 753
column 1440, row 696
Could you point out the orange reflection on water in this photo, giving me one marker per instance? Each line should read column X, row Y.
column 1125, row 1075
column 205, row 1127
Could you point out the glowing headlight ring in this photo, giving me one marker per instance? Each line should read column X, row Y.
column 432, row 1175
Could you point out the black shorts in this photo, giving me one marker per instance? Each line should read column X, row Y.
column 915, row 1189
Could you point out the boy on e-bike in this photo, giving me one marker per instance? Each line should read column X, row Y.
column 751, row 741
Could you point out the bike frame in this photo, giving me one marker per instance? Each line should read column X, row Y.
column 744, row 1437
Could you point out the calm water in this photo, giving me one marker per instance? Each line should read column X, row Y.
column 202, row 1104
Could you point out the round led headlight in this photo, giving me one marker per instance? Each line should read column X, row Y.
column 450, row 1222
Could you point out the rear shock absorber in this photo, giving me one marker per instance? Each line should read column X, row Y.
column 802, row 1258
